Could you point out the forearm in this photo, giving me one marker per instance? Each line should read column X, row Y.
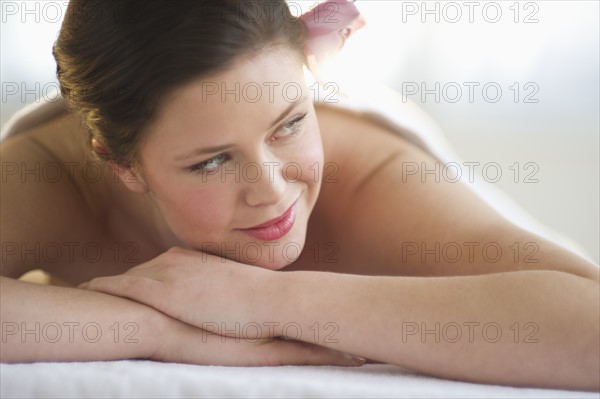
column 413, row 322
column 47, row 323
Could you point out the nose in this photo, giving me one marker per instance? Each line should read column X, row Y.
column 264, row 182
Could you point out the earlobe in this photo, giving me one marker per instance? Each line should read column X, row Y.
column 99, row 148
column 131, row 177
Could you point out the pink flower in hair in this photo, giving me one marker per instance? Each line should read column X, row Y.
column 329, row 25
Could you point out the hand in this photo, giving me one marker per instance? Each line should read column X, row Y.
column 199, row 289
column 182, row 343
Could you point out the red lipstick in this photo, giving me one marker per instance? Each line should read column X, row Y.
column 275, row 228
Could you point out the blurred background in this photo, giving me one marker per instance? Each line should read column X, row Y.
column 510, row 82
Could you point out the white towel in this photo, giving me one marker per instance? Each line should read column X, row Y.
column 146, row 379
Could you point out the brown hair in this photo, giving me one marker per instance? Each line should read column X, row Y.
column 117, row 59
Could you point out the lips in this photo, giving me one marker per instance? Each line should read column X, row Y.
column 274, row 221
column 275, row 228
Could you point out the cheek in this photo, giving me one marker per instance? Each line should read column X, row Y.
column 204, row 207
column 193, row 212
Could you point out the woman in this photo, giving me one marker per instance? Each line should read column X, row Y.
column 204, row 192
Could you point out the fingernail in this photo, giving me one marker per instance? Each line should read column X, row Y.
column 357, row 360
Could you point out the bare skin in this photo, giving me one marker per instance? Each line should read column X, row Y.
column 366, row 215
column 107, row 202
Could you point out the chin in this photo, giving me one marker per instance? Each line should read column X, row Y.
column 276, row 264
column 276, row 255
column 271, row 255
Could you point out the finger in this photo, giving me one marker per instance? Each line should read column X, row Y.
column 184, row 343
column 281, row 352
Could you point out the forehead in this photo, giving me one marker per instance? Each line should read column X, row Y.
column 251, row 94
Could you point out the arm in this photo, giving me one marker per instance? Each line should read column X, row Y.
column 526, row 328
column 47, row 323
column 413, row 322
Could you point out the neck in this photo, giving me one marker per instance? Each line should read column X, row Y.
column 136, row 218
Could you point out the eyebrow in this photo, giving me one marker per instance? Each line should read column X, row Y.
column 212, row 150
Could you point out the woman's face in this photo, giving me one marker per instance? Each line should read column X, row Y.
column 261, row 115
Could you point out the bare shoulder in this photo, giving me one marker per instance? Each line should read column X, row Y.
column 355, row 147
column 51, row 202
column 376, row 222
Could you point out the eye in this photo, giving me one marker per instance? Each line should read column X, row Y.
column 210, row 165
column 294, row 126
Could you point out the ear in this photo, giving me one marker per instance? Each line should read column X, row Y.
column 130, row 176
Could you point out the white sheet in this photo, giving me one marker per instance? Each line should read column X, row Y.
column 137, row 379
